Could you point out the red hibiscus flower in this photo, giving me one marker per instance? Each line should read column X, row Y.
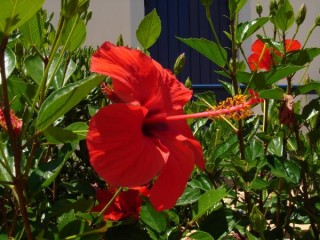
column 126, row 205
column 263, row 57
column 126, row 147
column 15, row 121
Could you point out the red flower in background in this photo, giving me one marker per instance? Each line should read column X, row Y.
column 126, row 147
column 126, row 205
column 262, row 57
column 15, row 121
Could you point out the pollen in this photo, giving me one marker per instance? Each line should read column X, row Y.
column 243, row 104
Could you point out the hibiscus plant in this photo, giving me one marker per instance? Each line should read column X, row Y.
column 107, row 144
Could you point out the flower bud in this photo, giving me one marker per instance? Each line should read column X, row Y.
column 301, row 14
column 257, row 220
column 120, row 40
column 206, row 3
column 179, row 64
column 88, row 16
column 188, row 83
column 317, row 21
column 83, row 6
column 70, row 8
column 273, row 6
column 259, row 9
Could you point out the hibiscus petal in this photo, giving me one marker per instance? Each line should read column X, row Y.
column 185, row 152
column 257, row 46
column 138, row 79
column 257, row 63
column 119, row 151
column 173, row 94
column 126, row 67
column 292, row 45
column 173, row 178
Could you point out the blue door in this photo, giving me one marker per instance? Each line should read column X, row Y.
column 186, row 19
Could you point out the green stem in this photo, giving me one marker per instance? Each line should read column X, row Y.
column 107, row 205
column 208, row 16
column 14, row 141
column 309, row 34
column 6, row 183
column 40, row 94
column 247, row 195
column 110, row 202
column 62, row 53
column 19, row 186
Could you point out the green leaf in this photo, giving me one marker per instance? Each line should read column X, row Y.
column 274, row 93
column 200, row 235
column 153, row 219
column 257, row 220
column 73, row 133
column 208, row 201
column 71, row 68
column 302, row 57
column 34, row 67
column 66, row 205
column 201, row 182
column 46, row 173
column 284, row 17
column 206, row 99
column 14, row 13
column 314, row 136
column 293, row 170
column 280, row 72
column 149, row 29
column 302, row 89
column 251, row 236
column 259, row 184
column 57, row 135
column 32, row 30
column 275, row 146
column 79, row 128
column 244, row 77
column 9, row 61
column 209, row 49
column 27, row 90
column 190, row 195
column 74, row 33
column 228, row 87
column 286, row 169
column 246, row 29
column 7, row 163
column 236, row 5
column 80, row 186
column 261, row 80
column 61, row 73
column 65, row 218
column 62, row 100
column 311, row 109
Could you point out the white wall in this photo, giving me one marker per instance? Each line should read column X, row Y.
column 110, row 19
